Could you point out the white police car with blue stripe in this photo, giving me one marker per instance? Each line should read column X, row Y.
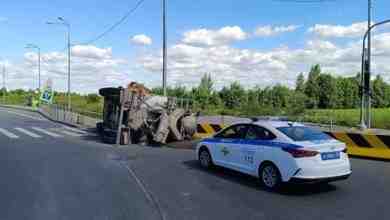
column 277, row 152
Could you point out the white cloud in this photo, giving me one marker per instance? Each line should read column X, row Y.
column 268, row 30
column 91, row 68
column 92, row 52
column 353, row 30
column 141, row 39
column 382, row 45
column 188, row 60
column 207, row 37
column 187, row 63
column 321, row 45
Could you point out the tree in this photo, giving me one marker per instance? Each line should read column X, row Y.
column 312, row 89
column 233, row 96
column 206, row 83
column 300, row 83
column 157, row 91
column 379, row 93
column 387, row 95
column 92, row 98
column 297, row 102
column 215, row 100
column 203, row 92
column 178, row 92
column 3, row 91
column 267, row 96
column 253, row 96
column 327, row 91
column 19, row 92
column 280, row 96
column 347, row 92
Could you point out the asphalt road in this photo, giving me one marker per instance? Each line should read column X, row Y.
column 76, row 177
column 67, row 176
column 186, row 191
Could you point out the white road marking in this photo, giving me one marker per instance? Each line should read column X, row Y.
column 47, row 132
column 71, row 133
column 29, row 133
column 75, row 130
column 148, row 194
column 8, row 134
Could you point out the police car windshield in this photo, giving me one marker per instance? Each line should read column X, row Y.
column 300, row 133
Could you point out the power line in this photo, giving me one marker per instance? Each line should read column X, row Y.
column 111, row 28
column 116, row 24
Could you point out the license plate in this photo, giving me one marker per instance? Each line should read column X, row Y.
column 330, row 156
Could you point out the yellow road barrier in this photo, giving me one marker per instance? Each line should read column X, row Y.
column 359, row 144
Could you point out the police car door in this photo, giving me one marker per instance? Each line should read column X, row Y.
column 229, row 141
column 252, row 149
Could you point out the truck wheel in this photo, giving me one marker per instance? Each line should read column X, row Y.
column 99, row 127
column 173, row 123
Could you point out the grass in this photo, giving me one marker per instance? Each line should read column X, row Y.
column 14, row 99
column 342, row 117
column 81, row 105
column 348, row 117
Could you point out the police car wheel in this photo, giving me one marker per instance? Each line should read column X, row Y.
column 270, row 176
column 205, row 158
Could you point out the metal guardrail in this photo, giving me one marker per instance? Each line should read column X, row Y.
column 59, row 113
column 97, row 115
column 185, row 103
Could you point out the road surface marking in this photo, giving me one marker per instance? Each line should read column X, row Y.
column 71, row 133
column 46, row 132
column 75, row 130
column 84, row 133
column 8, row 134
column 21, row 114
column 29, row 133
column 148, row 194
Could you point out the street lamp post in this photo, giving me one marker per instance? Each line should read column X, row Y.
column 62, row 21
column 365, row 116
column 4, row 87
column 369, row 64
column 164, row 72
column 33, row 46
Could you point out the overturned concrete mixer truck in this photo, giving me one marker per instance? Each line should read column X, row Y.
column 134, row 115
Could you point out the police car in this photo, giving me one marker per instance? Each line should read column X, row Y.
column 277, row 152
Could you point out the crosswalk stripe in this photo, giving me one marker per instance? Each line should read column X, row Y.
column 8, row 134
column 71, row 133
column 75, row 130
column 29, row 133
column 46, row 132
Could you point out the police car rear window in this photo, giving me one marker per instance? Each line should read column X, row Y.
column 300, row 133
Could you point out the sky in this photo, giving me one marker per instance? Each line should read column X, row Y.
column 255, row 42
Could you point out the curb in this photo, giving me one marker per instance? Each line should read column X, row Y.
column 57, row 121
column 24, row 108
column 43, row 114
